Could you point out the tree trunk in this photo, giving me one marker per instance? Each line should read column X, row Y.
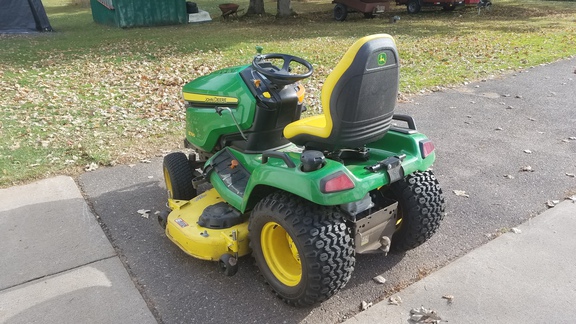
column 284, row 8
column 256, row 7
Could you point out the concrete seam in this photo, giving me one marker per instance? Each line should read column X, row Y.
column 58, row 272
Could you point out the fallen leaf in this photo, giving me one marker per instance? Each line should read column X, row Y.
column 364, row 306
column 379, row 279
column 498, row 128
column 145, row 161
column 527, row 151
column 573, row 198
column 552, row 203
column 461, row 193
column 449, row 297
column 572, row 138
column 527, row 169
column 424, row 315
column 394, row 300
column 508, row 176
column 145, row 213
column 571, row 175
column 515, row 230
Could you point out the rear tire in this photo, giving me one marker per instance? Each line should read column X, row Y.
column 304, row 251
column 421, row 207
column 413, row 6
column 178, row 176
column 340, row 12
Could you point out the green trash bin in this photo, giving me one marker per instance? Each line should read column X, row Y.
column 135, row 13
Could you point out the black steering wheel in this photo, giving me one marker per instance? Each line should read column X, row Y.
column 281, row 76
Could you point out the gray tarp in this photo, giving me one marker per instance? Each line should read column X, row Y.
column 23, row 16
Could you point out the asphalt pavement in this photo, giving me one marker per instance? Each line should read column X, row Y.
column 66, row 259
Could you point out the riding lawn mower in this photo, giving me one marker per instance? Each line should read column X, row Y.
column 304, row 196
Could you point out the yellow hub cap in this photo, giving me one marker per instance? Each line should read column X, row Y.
column 281, row 254
column 168, row 182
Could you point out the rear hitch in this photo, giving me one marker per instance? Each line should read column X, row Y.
column 392, row 165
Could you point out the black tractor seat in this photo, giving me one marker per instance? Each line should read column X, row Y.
column 358, row 99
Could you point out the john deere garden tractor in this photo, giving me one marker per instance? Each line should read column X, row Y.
column 304, row 196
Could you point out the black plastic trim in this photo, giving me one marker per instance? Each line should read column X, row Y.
column 279, row 155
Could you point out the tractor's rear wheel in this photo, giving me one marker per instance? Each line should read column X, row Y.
column 178, row 176
column 304, row 251
column 421, row 207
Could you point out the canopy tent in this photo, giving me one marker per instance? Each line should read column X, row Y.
column 23, row 16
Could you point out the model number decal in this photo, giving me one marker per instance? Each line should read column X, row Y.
column 181, row 222
column 193, row 97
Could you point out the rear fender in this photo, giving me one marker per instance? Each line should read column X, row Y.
column 276, row 174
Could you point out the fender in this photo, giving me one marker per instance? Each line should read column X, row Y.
column 277, row 174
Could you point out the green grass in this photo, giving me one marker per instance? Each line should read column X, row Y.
column 92, row 93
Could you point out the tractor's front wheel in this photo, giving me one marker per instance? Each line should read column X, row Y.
column 178, row 176
column 304, row 251
column 421, row 207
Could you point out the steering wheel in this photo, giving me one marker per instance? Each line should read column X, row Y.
column 281, row 76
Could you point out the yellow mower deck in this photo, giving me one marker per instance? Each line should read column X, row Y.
column 200, row 242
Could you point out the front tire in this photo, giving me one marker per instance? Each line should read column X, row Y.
column 178, row 176
column 304, row 251
column 421, row 208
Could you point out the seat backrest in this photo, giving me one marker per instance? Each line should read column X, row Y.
column 359, row 96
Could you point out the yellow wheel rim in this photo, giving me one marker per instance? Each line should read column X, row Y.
column 281, row 254
column 168, row 182
column 399, row 218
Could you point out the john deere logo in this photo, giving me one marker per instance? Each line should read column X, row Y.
column 381, row 58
